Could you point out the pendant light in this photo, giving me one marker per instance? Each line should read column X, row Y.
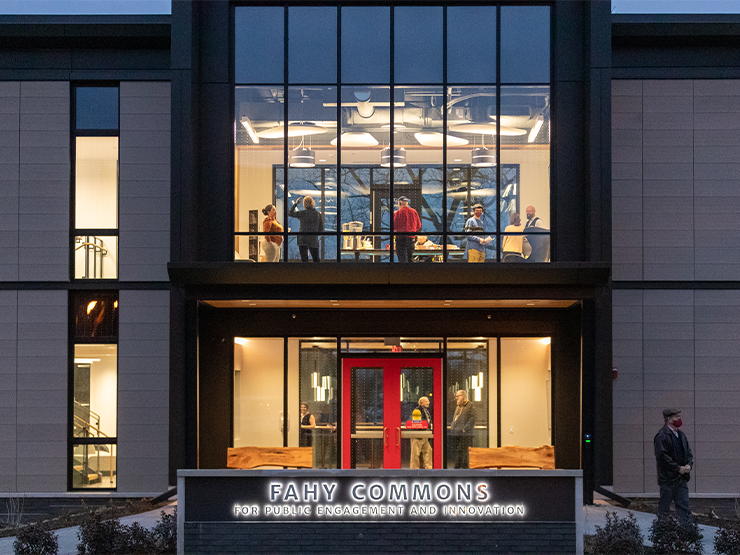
column 302, row 157
column 399, row 157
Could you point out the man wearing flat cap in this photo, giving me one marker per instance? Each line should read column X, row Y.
column 674, row 459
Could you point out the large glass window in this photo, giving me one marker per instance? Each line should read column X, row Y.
column 349, row 399
column 95, row 191
column 381, row 122
column 94, row 391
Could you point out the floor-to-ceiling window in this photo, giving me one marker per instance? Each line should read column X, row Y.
column 414, row 133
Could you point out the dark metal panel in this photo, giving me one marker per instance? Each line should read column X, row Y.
column 569, row 19
column 570, row 176
column 184, row 41
column 677, row 72
column 598, row 34
column 605, row 139
column 112, row 58
column 216, row 146
column 180, row 405
column 120, row 75
column 602, row 341
column 215, row 43
column 35, row 59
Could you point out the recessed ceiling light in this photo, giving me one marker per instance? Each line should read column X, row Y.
column 435, row 139
column 487, row 129
column 295, row 129
column 353, row 138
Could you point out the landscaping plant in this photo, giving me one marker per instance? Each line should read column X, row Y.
column 36, row 539
column 619, row 536
column 727, row 539
column 671, row 535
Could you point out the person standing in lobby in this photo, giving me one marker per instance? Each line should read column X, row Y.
column 272, row 243
column 312, row 222
column 532, row 219
column 675, row 461
column 420, row 447
column 476, row 245
column 513, row 245
column 406, row 219
column 462, row 429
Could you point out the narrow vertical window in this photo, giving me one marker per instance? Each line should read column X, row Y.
column 95, row 190
column 94, row 390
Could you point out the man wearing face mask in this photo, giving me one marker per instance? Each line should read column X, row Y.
column 674, row 460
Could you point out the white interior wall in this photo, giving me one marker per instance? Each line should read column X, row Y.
column 294, row 414
column 492, row 394
column 96, row 183
column 103, row 384
column 525, row 365
column 260, row 394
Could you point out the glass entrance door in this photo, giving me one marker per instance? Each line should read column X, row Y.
column 392, row 413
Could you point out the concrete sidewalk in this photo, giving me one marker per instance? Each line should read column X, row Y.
column 68, row 539
column 595, row 515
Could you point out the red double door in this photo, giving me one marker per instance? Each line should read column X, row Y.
column 380, row 429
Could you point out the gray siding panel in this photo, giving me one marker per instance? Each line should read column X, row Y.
column 42, row 391
column 10, row 98
column 144, row 181
column 44, row 173
column 8, row 393
column 143, row 383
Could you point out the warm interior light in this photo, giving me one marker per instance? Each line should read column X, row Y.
column 115, row 304
column 536, row 129
column 240, row 341
column 91, row 305
column 250, row 130
column 486, row 129
column 353, row 138
column 86, row 360
column 295, row 129
column 546, row 340
column 436, row 139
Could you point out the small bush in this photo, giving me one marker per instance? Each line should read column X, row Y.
column 165, row 533
column 727, row 539
column 619, row 536
column 671, row 535
column 101, row 536
column 36, row 539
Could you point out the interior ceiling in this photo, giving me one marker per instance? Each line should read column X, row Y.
column 471, row 116
column 392, row 304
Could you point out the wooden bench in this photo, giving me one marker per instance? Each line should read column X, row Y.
column 513, row 456
column 252, row 457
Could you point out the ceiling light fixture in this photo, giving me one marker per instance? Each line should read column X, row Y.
column 250, row 130
column 353, row 138
column 295, row 129
column 487, row 129
column 536, row 129
column 483, row 158
column 302, row 157
column 399, row 157
column 436, row 139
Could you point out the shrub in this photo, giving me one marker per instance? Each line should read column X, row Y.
column 671, row 535
column 138, row 540
column 727, row 539
column 101, row 536
column 619, row 536
column 36, row 539
column 165, row 533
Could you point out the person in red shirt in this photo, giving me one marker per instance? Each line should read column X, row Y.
column 406, row 219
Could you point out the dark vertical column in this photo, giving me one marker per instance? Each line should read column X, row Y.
column 216, row 388
column 185, row 55
column 590, row 439
column 602, row 365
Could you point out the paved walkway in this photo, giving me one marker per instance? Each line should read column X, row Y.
column 593, row 515
column 596, row 515
column 68, row 539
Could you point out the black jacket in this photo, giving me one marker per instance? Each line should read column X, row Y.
column 666, row 457
column 311, row 221
column 465, row 423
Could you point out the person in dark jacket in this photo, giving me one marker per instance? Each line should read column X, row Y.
column 462, row 429
column 675, row 461
column 312, row 222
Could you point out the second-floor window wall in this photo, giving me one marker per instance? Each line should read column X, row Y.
column 414, row 133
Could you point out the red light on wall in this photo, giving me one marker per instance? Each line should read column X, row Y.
column 396, row 349
column 615, row 373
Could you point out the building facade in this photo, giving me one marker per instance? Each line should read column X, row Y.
column 157, row 312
